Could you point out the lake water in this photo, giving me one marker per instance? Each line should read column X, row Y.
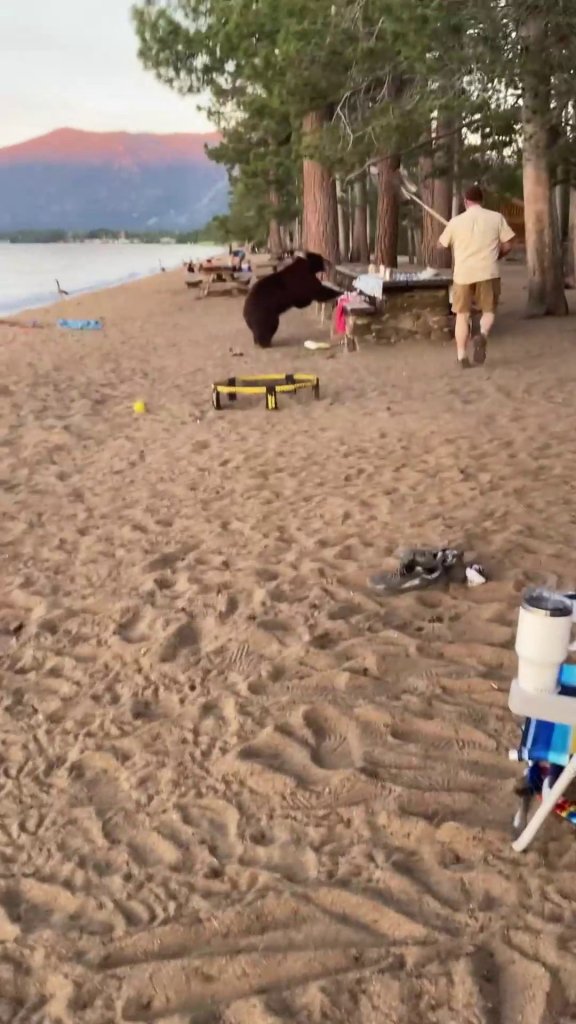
column 28, row 272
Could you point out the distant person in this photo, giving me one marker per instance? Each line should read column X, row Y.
column 478, row 238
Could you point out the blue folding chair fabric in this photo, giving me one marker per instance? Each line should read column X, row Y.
column 548, row 747
column 551, row 741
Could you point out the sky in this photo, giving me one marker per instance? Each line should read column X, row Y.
column 73, row 64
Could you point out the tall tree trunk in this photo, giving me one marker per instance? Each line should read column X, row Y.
column 319, row 203
column 457, row 203
column 388, row 210
column 369, row 215
column 388, row 215
column 275, row 242
column 360, row 247
column 297, row 234
column 543, row 252
column 444, row 183
column 412, row 243
column 570, row 255
column 350, row 197
column 343, row 220
column 569, row 198
column 437, row 178
column 426, row 183
column 562, row 200
column 562, row 206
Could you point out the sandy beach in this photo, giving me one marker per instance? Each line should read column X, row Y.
column 236, row 787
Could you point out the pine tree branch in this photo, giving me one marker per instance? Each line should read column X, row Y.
column 411, row 150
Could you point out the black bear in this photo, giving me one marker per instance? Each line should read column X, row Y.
column 295, row 286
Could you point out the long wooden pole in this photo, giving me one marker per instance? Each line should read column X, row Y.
column 410, row 195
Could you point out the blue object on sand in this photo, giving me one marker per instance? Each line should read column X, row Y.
column 548, row 747
column 551, row 741
column 81, row 325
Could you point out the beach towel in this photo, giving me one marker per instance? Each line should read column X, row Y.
column 81, row 325
column 548, row 747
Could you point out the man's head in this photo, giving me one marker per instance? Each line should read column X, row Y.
column 473, row 196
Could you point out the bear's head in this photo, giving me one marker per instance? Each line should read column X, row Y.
column 316, row 263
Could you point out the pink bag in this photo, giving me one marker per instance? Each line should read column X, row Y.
column 339, row 321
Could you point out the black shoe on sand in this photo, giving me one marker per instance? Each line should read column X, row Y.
column 406, row 579
column 419, row 569
column 479, row 342
column 465, row 363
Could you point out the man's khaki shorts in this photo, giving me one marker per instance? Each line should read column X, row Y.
column 483, row 295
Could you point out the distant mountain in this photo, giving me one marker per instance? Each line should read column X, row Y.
column 83, row 180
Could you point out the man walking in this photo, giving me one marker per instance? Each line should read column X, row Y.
column 479, row 238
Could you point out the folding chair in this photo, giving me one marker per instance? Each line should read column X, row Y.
column 549, row 749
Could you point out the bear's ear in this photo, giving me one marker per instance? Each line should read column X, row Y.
column 315, row 262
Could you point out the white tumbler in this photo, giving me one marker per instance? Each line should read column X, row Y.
column 572, row 597
column 542, row 639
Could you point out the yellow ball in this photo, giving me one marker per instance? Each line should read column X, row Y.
column 139, row 406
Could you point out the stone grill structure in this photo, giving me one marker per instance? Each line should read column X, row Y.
column 408, row 310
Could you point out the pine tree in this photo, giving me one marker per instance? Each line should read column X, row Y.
column 291, row 56
column 353, row 85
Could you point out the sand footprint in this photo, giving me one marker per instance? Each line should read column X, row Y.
column 184, row 637
column 442, row 735
column 150, row 849
column 218, row 718
column 296, row 863
column 282, row 754
column 439, row 808
column 216, row 822
column 135, row 628
column 336, row 742
column 168, row 559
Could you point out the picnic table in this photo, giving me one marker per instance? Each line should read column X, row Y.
column 233, row 279
column 210, row 277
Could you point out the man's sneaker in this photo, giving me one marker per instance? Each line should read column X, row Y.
column 465, row 363
column 425, row 558
column 402, row 580
column 420, row 568
column 479, row 342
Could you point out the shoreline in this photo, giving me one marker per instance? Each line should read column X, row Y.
column 46, row 302
column 83, row 294
column 89, row 290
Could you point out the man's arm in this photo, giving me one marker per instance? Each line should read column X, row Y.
column 445, row 240
column 506, row 237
